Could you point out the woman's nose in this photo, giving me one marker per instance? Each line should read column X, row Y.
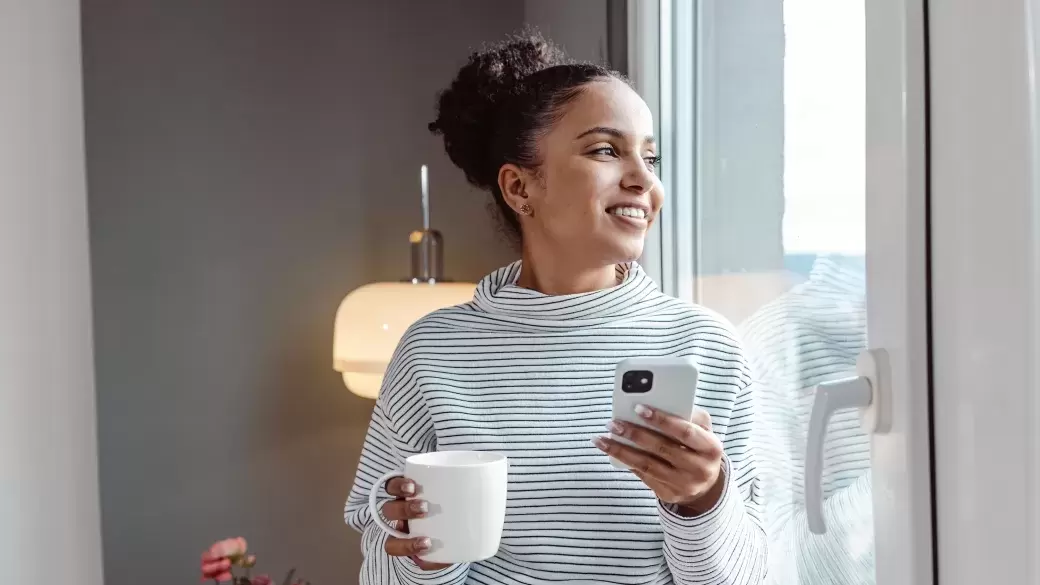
column 638, row 177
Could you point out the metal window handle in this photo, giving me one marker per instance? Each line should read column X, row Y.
column 869, row 390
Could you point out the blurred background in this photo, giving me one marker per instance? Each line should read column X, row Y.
column 250, row 162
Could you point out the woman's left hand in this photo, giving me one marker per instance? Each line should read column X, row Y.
column 681, row 461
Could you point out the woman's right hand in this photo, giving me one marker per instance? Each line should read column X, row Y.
column 402, row 510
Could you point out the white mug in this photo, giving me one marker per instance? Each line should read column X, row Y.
column 466, row 494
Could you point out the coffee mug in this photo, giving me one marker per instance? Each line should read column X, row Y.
column 466, row 494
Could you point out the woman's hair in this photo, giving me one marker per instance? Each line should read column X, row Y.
column 501, row 101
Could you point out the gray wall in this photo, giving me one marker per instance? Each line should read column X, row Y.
column 579, row 26
column 250, row 162
column 49, row 525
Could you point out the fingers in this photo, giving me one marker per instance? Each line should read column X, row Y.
column 407, row 547
column 401, row 487
column 693, row 435
column 664, row 448
column 412, row 548
column 666, row 492
column 405, row 509
column 639, row 461
column 701, row 418
column 428, row 566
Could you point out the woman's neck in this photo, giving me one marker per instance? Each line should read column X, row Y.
column 557, row 276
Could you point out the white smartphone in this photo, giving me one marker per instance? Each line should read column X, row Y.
column 664, row 384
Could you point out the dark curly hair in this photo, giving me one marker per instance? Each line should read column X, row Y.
column 495, row 108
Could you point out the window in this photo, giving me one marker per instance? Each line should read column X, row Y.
column 761, row 111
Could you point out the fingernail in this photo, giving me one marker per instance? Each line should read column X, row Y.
column 600, row 442
column 644, row 411
column 408, row 487
column 615, row 427
column 420, row 507
column 423, row 543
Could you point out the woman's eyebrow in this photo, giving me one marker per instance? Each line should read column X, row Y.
column 648, row 139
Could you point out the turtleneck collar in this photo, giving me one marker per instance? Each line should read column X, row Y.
column 499, row 294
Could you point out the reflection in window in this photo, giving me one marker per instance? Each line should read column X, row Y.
column 780, row 242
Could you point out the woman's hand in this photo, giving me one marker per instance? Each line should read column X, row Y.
column 403, row 510
column 681, row 461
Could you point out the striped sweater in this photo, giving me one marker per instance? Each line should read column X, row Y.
column 809, row 335
column 531, row 376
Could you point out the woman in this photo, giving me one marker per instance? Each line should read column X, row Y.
column 527, row 368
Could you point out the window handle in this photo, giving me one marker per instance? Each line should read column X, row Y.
column 869, row 391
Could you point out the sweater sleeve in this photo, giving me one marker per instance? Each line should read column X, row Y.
column 400, row 427
column 842, row 555
column 726, row 545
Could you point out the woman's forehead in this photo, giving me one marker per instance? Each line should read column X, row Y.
column 608, row 104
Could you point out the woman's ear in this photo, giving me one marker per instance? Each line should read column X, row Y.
column 511, row 182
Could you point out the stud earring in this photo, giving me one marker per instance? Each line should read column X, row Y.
column 526, row 209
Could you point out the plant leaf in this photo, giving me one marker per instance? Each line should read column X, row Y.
column 288, row 578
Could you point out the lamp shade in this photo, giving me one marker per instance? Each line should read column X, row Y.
column 371, row 320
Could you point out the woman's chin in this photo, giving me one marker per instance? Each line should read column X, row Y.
column 629, row 251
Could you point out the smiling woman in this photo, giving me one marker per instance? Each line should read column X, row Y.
column 593, row 192
column 527, row 368
column 566, row 151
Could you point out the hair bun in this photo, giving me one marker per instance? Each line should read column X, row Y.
column 466, row 110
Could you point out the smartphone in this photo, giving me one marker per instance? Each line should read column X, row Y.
column 664, row 384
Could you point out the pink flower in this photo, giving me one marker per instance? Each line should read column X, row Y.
column 230, row 548
column 261, row 580
column 215, row 569
column 217, row 560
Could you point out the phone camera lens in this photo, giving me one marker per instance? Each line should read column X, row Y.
column 637, row 382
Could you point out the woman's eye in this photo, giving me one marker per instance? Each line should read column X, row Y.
column 607, row 150
column 653, row 161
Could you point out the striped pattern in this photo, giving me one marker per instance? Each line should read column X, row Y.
column 810, row 335
column 532, row 376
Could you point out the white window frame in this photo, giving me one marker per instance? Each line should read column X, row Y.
column 644, row 62
column 985, row 212
column 670, row 255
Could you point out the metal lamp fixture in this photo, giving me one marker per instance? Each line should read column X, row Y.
column 371, row 320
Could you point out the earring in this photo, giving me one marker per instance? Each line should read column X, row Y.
column 526, row 209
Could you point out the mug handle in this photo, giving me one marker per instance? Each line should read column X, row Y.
column 374, row 506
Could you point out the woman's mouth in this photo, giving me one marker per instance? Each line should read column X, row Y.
column 633, row 212
column 630, row 216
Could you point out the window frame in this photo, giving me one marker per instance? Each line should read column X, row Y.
column 666, row 68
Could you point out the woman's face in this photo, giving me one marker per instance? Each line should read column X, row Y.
column 596, row 192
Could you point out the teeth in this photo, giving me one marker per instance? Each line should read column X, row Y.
column 628, row 212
